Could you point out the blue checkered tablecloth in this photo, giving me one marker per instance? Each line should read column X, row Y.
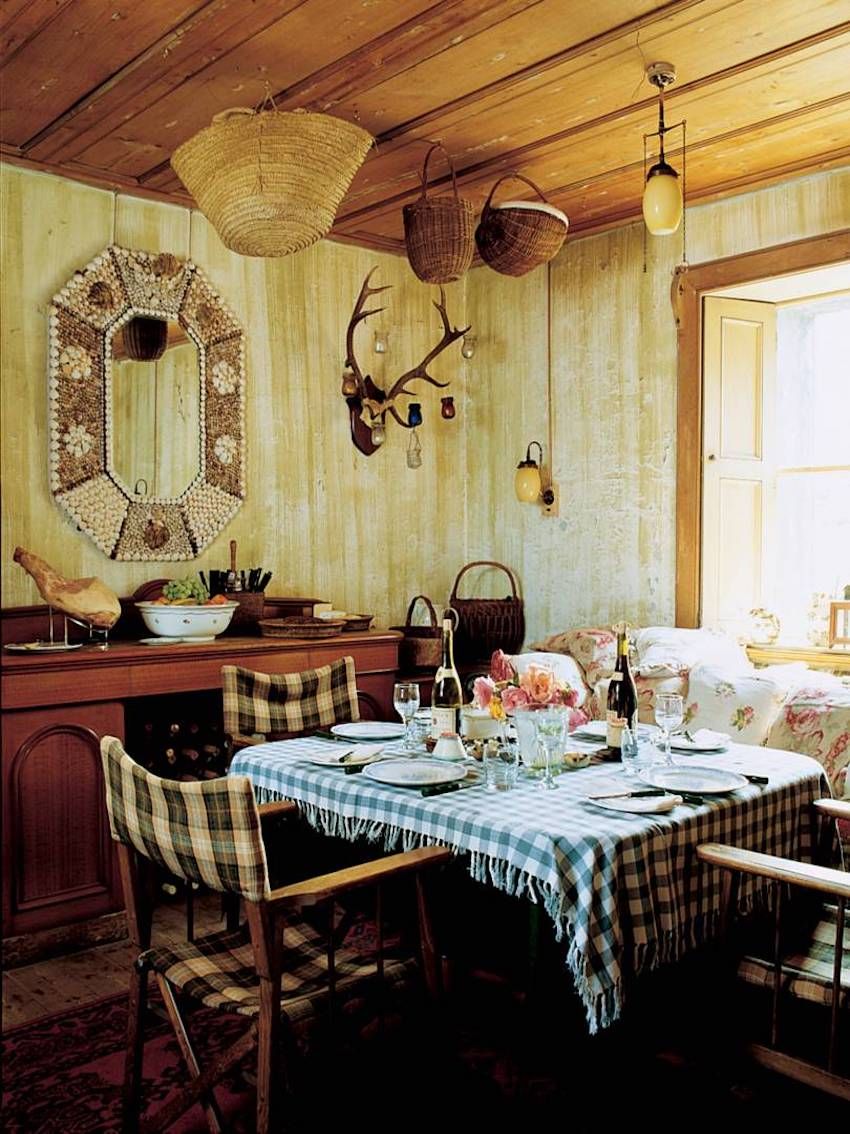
column 624, row 891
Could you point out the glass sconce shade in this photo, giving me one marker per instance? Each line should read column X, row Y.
column 414, row 414
column 527, row 482
column 467, row 346
column 379, row 434
column 381, row 341
column 447, row 408
column 662, row 200
column 349, row 383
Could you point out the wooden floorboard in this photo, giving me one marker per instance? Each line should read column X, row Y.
column 39, row 989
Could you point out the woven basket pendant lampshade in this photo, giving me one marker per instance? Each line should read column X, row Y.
column 270, row 181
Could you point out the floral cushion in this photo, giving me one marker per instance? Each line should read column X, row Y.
column 666, row 651
column 815, row 720
column 564, row 667
column 742, row 704
column 594, row 648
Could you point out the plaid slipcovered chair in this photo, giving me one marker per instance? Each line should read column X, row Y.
column 817, row 967
column 277, row 706
column 211, row 833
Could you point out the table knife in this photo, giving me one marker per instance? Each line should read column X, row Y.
column 629, row 794
column 440, row 789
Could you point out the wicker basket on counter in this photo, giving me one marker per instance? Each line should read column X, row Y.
column 300, row 627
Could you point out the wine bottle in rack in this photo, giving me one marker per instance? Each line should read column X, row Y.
column 622, row 698
column 447, row 693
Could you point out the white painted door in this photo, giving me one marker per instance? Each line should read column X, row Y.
column 739, row 406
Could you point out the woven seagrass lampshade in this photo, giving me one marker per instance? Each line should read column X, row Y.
column 270, row 181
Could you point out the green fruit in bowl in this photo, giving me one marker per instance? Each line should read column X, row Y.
column 188, row 590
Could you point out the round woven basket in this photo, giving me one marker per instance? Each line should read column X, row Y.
column 520, row 235
column 439, row 232
column 270, row 181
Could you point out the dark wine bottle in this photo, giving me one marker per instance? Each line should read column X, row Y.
column 447, row 693
column 622, row 698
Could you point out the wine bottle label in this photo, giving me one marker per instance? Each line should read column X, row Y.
column 443, row 719
column 614, row 726
column 616, row 676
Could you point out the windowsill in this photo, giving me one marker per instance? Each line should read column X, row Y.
column 835, row 658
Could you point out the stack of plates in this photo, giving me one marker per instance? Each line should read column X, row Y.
column 368, row 731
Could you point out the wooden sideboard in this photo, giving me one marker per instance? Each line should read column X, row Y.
column 58, row 861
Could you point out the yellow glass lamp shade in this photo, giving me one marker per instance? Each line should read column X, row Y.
column 527, row 482
column 662, row 200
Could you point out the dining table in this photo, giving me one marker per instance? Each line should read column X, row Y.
column 623, row 889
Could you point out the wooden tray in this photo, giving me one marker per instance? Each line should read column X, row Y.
column 299, row 627
column 357, row 622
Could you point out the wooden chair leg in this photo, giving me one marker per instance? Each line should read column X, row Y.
column 214, row 1118
column 135, row 1048
column 268, row 1041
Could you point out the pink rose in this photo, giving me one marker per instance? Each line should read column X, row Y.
column 501, row 667
column 538, row 683
column 482, row 692
column 513, row 697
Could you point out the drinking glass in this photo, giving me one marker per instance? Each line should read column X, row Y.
column 550, row 726
column 406, row 704
column 669, row 714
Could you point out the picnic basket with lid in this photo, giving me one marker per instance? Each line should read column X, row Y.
column 439, row 231
column 420, row 646
column 270, row 181
column 484, row 624
column 516, row 236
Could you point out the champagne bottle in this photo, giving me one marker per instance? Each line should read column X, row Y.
column 446, row 695
column 622, row 698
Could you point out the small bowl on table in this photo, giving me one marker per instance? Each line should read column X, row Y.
column 573, row 760
column 200, row 623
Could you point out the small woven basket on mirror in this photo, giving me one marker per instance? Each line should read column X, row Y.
column 439, row 231
column 517, row 236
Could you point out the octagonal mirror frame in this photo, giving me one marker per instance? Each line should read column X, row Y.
column 116, row 286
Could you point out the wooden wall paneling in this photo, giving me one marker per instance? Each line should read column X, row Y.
column 57, row 853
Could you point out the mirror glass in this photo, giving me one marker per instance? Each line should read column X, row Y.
column 156, row 415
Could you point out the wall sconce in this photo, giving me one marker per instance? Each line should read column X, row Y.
column 381, row 342
column 378, row 434
column 663, row 194
column 349, row 383
column 145, row 339
column 447, row 408
column 414, row 414
column 468, row 345
column 528, row 480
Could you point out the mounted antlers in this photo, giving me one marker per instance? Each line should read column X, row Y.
column 368, row 404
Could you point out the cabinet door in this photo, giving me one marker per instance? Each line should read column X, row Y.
column 58, row 858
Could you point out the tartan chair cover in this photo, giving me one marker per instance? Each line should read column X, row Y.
column 260, row 705
column 203, row 832
column 808, row 975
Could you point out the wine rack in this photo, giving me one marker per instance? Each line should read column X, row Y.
column 179, row 737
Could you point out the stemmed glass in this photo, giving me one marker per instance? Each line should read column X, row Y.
column 669, row 714
column 550, row 724
column 406, row 704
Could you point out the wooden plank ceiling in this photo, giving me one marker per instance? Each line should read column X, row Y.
column 104, row 92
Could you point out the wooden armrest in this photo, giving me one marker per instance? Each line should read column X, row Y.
column 837, row 808
column 314, row 890
column 825, row 879
column 277, row 809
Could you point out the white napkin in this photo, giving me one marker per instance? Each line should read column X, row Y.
column 702, row 738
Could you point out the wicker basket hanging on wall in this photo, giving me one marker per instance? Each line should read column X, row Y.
column 270, row 181
column 517, row 236
column 439, row 231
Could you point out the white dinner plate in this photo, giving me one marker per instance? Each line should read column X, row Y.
column 368, row 730
column 414, row 773
column 696, row 779
column 704, row 740
column 643, row 805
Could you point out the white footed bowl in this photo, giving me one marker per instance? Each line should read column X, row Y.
column 200, row 623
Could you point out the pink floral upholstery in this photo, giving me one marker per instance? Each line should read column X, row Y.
column 815, row 720
column 647, row 690
column 594, row 648
column 744, row 705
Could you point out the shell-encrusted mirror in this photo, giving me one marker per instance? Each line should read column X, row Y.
column 147, row 405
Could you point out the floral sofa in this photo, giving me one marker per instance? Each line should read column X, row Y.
column 780, row 706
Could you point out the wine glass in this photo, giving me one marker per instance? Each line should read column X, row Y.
column 669, row 714
column 406, row 704
column 550, row 724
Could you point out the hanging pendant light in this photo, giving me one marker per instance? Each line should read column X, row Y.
column 663, row 195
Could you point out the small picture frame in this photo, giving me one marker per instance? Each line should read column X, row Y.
column 839, row 623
